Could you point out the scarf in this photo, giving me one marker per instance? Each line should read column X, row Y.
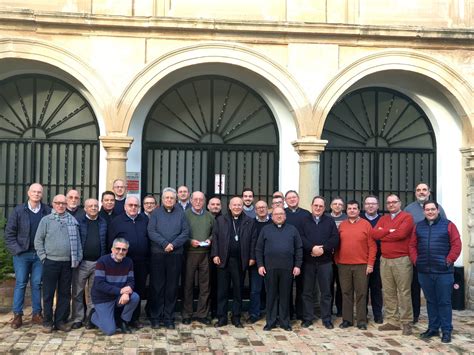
column 72, row 229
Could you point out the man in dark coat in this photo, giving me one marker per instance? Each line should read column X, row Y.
column 233, row 251
column 279, row 257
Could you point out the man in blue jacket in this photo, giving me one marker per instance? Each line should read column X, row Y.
column 434, row 246
column 132, row 227
column 19, row 238
column 168, row 230
column 93, row 232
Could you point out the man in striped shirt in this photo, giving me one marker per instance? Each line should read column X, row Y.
column 113, row 288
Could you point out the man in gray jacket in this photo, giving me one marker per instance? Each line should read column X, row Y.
column 58, row 245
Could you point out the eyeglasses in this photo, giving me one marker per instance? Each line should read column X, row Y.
column 132, row 205
column 60, row 203
column 392, row 202
column 123, row 250
column 149, row 203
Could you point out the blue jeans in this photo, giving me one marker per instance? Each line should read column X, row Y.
column 437, row 289
column 256, row 286
column 26, row 264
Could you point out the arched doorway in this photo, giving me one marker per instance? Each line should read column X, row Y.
column 213, row 134
column 48, row 134
column 379, row 141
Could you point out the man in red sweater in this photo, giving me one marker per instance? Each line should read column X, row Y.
column 394, row 231
column 355, row 260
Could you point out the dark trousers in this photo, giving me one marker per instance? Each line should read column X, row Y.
column 141, row 269
column 196, row 262
column 256, row 288
column 375, row 289
column 415, row 293
column 336, row 295
column 278, row 286
column 57, row 276
column 231, row 272
column 213, row 282
column 438, row 289
column 321, row 274
column 165, row 270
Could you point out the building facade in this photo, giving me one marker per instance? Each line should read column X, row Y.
column 347, row 97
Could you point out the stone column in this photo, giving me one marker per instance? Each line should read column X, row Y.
column 309, row 149
column 468, row 155
column 117, row 148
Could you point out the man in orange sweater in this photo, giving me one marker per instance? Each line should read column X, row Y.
column 394, row 231
column 355, row 259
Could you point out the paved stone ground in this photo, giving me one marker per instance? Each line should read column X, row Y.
column 196, row 338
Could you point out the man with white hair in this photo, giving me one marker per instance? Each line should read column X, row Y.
column 168, row 231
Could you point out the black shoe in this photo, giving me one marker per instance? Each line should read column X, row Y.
column 338, row 314
column 76, row 325
column 446, row 337
column 63, row 327
column 415, row 320
column 286, row 327
column 237, row 324
column 155, row 324
column 186, row 321
column 306, row 324
column 89, row 324
column 362, row 326
column 429, row 334
column 268, row 327
column 328, row 324
column 345, row 324
column 125, row 328
column 221, row 323
column 252, row 320
column 136, row 324
column 170, row 326
column 378, row 320
column 204, row 321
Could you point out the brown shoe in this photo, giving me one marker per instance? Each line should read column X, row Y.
column 406, row 329
column 17, row 321
column 388, row 326
column 37, row 319
column 47, row 328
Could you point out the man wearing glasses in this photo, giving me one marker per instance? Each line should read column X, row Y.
column 149, row 204
column 120, row 191
column 19, row 239
column 132, row 227
column 114, row 288
column 58, row 245
column 394, row 231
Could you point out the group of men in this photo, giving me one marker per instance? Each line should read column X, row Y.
column 99, row 260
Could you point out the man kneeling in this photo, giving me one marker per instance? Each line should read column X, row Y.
column 113, row 290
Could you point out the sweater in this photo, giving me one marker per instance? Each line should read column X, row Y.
column 168, row 227
column 356, row 245
column 297, row 217
column 324, row 233
column 394, row 244
column 17, row 230
column 133, row 230
column 83, row 227
column 279, row 247
column 52, row 240
column 435, row 247
column 110, row 277
column 201, row 229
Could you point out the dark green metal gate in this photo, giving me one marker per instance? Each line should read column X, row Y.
column 48, row 134
column 208, row 132
column 379, row 142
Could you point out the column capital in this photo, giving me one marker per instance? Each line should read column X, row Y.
column 116, row 142
column 309, row 148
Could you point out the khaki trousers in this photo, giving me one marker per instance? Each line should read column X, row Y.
column 353, row 279
column 396, row 277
